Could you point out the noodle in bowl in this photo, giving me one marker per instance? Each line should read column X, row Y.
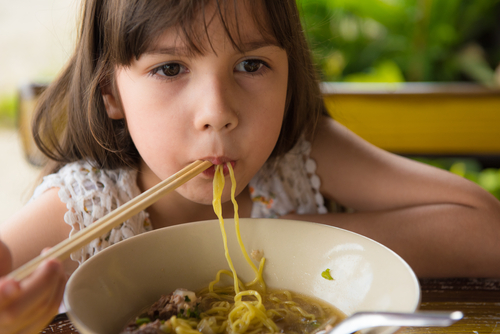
column 114, row 286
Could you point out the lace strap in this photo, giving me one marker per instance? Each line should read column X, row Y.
column 314, row 179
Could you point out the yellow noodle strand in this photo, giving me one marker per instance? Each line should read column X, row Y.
column 211, row 286
column 182, row 326
column 217, row 205
column 301, row 311
column 244, row 314
column 258, row 272
column 237, row 223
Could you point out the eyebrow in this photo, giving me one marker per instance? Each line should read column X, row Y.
column 186, row 51
column 251, row 46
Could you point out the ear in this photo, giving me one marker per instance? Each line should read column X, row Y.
column 112, row 102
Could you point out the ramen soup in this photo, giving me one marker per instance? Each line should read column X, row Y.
column 186, row 312
column 241, row 308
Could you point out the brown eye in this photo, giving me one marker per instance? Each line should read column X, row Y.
column 171, row 70
column 250, row 65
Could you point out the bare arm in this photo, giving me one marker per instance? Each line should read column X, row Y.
column 441, row 224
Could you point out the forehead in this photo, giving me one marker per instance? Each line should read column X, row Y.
column 241, row 25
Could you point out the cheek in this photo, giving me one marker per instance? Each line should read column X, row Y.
column 153, row 126
column 262, row 135
column 269, row 115
column 148, row 111
column 154, row 138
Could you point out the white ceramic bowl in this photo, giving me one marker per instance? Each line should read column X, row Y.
column 115, row 285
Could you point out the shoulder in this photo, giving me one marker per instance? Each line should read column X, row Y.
column 287, row 184
column 78, row 178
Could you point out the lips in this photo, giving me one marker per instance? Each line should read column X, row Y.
column 210, row 172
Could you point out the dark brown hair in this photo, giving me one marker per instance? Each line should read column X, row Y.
column 71, row 122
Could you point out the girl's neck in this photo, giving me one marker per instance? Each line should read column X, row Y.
column 174, row 209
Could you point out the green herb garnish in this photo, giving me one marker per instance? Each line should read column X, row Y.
column 314, row 323
column 142, row 321
column 326, row 275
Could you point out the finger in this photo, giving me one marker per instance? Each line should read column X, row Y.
column 56, row 298
column 9, row 290
column 42, row 285
column 36, row 291
column 44, row 316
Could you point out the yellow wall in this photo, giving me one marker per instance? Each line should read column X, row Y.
column 422, row 123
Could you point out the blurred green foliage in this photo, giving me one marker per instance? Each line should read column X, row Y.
column 8, row 106
column 471, row 169
column 404, row 40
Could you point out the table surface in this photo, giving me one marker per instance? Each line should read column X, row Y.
column 477, row 298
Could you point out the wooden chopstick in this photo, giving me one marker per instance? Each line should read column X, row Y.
column 62, row 250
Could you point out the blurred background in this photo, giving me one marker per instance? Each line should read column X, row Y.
column 420, row 78
column 405, row 40
column 36, row 38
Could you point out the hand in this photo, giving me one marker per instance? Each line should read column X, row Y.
column 28, row 306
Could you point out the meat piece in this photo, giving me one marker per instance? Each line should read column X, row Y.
column 178, row 302
column 162, row 308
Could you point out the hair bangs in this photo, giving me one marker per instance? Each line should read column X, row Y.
column 138, row 25
column 135, row 26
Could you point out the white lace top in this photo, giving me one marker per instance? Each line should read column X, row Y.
column 288, row 186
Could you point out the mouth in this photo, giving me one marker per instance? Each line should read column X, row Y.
column 210, row 172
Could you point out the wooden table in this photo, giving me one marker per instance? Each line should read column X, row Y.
column 478, row 299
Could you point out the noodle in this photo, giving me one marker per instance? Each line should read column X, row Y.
column 237, row 309
column 245, row 315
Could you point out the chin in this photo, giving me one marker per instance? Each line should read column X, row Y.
column 204, row 201
column 200, row 196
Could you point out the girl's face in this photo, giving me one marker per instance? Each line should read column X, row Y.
column 223, row 106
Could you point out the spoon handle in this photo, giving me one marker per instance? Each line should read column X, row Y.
column 362, row 320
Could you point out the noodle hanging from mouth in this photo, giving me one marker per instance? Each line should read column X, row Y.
column 244, row 313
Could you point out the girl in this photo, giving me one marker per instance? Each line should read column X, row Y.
column 155, row 85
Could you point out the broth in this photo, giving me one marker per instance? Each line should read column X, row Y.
column 291, row 313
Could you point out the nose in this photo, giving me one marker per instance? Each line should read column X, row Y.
column 215, row 111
